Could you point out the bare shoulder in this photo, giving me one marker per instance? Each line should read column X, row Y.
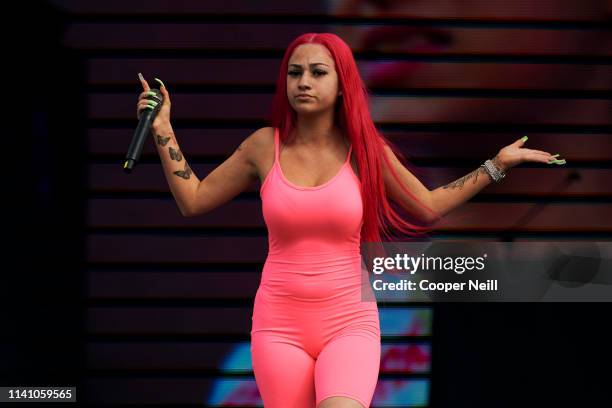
column 262, row 138
column 388, row 151
column 391, row 157
column 259, row 147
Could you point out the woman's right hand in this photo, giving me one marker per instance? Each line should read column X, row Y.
column 163, row 116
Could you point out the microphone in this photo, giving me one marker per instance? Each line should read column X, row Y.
column 142, row 130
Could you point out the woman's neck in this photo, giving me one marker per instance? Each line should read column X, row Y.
column 316, row 132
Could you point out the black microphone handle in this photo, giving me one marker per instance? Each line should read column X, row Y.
column 142, row 130
column 138, row 140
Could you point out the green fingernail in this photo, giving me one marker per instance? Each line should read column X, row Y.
column 555, row 155
column 153, row 103
column 160, row 81
column 151, row 93
column 525, row 138
column 149, row 107
column 555, row 161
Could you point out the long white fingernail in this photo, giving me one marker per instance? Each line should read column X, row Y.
column 160, row 82
column 140, row 76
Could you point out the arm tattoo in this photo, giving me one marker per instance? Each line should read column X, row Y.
column 460, row 182
column 162, row 141
column 175, row 154
column 185, row 173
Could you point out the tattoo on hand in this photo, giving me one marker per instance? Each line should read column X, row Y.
column 460, row 182
column 185, row 173
column 162, row 141
column 175, row 154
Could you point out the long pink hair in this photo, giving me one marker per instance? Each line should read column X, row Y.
column 354, row 119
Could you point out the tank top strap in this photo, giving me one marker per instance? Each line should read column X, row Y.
column 348, row 157
column 276, row 146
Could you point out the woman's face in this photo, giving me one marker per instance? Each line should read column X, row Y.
column 312, row 71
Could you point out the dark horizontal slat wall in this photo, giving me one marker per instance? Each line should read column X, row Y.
column 195, row 72
column 203, row 144
column 223, row 36
column 229, row 107
column 583, row 182
column 134, row 213
column 496, row 10
column 169, row 296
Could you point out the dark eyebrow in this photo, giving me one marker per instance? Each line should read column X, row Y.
column 299, row 66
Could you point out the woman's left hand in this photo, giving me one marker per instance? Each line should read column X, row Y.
column 515, row 154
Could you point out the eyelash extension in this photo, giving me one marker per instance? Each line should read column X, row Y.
column 316, row 72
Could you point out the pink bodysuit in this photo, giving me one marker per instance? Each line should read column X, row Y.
column 313, row 336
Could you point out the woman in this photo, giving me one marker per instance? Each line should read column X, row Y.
column 326, row 175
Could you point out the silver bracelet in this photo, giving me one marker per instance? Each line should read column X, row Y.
column 496, row 174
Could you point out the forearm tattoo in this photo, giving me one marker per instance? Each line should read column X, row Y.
column 175, row 154
column 461, row 182
column 185, row 173
column 162, row 141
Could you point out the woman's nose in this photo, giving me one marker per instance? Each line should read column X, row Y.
column 302, row 81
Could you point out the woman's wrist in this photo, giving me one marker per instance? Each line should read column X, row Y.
column 499, row 164
column 162, row 128
column 495, row 169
